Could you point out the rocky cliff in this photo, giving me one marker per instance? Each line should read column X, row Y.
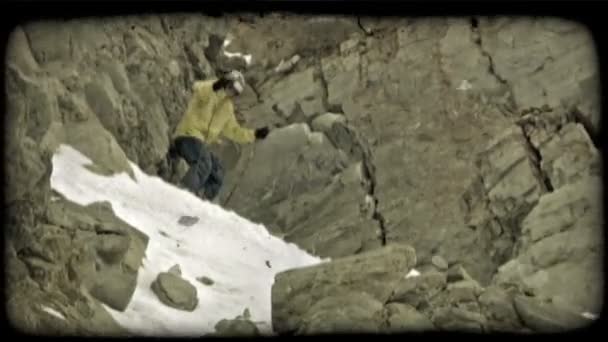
column 471, row 139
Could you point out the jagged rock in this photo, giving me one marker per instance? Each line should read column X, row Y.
column 550, row 77
column 312, row 184
column 417, row 291
column 375, row 273
column 236, row 328
column 458, row 319
column 497, row 305
column 296, row 89
column 114, row 287
column 112, row 248
column 405, row 318
column 349, row 312
column 174, row 291
column 323, row 123
column 546, row 317
column 439, row 262
column 569, row 156
column 560, row 247
column 175, row 269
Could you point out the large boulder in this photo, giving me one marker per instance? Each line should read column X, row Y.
column 306, row 294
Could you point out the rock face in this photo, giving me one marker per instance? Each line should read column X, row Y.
column 174, row 291
column 469, row 139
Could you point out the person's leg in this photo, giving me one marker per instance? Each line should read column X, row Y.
column 198, row 157
column 215, row 180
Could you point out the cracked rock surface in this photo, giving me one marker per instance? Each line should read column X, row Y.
column 473, row 139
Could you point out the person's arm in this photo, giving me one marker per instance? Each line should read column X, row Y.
column 232, row 130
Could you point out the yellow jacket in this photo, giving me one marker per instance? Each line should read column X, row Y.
column 210, row 115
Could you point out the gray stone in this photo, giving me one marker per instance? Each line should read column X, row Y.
column 569, row 156
column 439, row 262
column 348, row 312
column 205, row 280
column 236, row 328
column 497, row 305
column 375, row 272
column 188, row 220
column 324, row 122
column 175, row 269
column 296, row 88
column 418, row 290
column 457, row 319
column 174, row 291
column 112, row 248
column 545, row 317
column 405, row 318
column 114, row 287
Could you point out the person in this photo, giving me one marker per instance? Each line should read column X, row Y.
column 208, row 118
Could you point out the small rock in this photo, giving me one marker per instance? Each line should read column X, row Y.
column 205, row 280
column 188, row 220
column 175, row 269
column 268, row 264
column 439, row 262
column 174, row 291
column 236, row 327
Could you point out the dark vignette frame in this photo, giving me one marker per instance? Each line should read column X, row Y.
column 588, row 13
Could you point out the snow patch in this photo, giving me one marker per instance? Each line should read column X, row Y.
column 589, row 315
column 53, row 312
column 464, row 85
column 413, row 273
column 229, row 249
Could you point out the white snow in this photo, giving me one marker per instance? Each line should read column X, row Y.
column 589, row 315
column 221, row 245
column 412, row 273
column 464, row 85
column 53, row 312
column 246, row 57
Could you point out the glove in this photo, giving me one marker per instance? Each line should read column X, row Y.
column 261, row 133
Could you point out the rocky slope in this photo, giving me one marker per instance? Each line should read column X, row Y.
column 469, row 139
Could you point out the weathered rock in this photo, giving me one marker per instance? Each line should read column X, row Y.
column 188, row 220
column 405, row 318
column 417, row 291
column 205, row 280
column 569, row 156
column 112, row 248
column 375, row 273
column 312, row 186
column 296, row 89
column 458, row 319
column 323, row 123
column 497, row 305
column 236, row 328
column 114, row 287
column 545, row 317
column 552, row 76
column 175, row 269
column 560, row 247
column 174, row 291
column 439, row 262
column 348, row 312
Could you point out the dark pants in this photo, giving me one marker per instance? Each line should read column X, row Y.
column 206, row 173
